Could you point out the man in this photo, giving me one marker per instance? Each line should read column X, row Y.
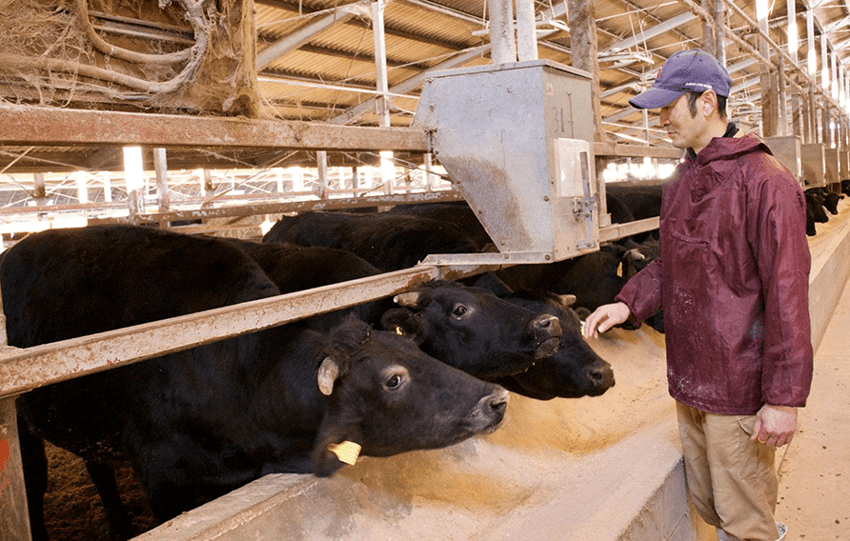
column 733, row 281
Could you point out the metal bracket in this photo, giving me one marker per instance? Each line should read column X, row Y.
column 583, row 208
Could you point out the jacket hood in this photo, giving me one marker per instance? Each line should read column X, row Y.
column 729, row 148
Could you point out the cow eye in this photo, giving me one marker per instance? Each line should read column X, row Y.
column 395, row 377
column 459, row 310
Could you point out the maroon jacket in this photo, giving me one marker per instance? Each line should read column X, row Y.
column 733, row 281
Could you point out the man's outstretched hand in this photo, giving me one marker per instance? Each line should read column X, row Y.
column 605, row 317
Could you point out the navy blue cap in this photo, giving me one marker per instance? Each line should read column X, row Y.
column 685, row 71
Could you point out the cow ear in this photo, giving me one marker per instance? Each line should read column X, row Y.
column 404, row 322
column 568, row 300
column 409, row 299
column 328, row 372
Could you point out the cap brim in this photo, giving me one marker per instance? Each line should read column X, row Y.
column 655, row 98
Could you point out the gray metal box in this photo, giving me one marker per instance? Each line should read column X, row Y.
column 844, row 164
column 518, row 140
column 814, row 165
column 832, row 166
column 787, row 150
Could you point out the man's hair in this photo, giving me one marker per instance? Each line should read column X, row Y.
column 692, row 104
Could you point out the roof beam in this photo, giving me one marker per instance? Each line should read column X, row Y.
column 305, row 34
column 412, row 83
column 656, row 30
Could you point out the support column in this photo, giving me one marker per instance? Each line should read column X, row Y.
column 709, row 40
column 719, row 26
column 322, row 167
column 502, row 32
column 383, row 103
column 585, row 51
column 133, row 171
column 14, row 516
column 160, row 164
column 526, row 30
column 797, row 114
column 769, row 105
column 783, row 103
column 40, row 190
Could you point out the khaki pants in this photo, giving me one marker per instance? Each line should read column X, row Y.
column 732, row 480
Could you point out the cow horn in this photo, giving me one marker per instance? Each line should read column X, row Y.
column 568, row 300
column 410, row 299
column 328, row 372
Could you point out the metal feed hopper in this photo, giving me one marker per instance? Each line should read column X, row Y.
column 788, row 150
column 833, row 165
column 518, row 140
column 814, row 165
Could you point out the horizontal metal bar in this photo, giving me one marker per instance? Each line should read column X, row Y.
column 293, row 206
column 488, row 258
column 635, row 151
column 618, row 231
column 62, row 127
column 22, row 370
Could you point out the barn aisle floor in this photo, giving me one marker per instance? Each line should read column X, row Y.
column 814, row 490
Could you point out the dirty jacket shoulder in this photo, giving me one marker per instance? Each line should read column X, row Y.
column 732, row 280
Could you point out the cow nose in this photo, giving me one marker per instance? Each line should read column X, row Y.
column 546, row 324
column 602, row 375
column 499, row 401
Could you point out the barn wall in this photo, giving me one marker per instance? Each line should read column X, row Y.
column 604, row 468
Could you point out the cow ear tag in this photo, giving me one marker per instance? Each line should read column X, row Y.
column 347, row 451
column 328, row 372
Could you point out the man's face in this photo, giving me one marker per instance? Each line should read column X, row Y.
column 684, row 129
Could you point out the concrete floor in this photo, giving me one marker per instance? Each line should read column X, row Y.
column 814, row 490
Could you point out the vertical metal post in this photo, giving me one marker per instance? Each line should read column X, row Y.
column 430, row 179
column 719, row 27
column 783, row 103
column 526, row 30
column 503, row 48
column 160, row 164
column 14, row 516
column 107, row 186
column 709, row 38
column 381, row 80
column 322, row 167
column 133, row 181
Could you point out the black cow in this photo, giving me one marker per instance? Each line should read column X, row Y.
column 198, row 423
column 389, row 241
column 466, row 327
column 630, row 201
column 457, row 213
column 595, row 278
column 574, row 370
column 815, row 201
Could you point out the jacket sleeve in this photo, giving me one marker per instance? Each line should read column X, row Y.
column 642, row 293
column 777, row 232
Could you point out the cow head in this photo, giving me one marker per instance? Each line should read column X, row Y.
column 574, row 370
column 472, row 329
column 386, row 396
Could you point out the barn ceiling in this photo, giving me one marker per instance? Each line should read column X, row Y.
column 316, row 59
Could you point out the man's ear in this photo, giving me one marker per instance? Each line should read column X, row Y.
column 709, row 103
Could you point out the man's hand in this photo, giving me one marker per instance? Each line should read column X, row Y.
column 605, row 317
column 775, row 425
